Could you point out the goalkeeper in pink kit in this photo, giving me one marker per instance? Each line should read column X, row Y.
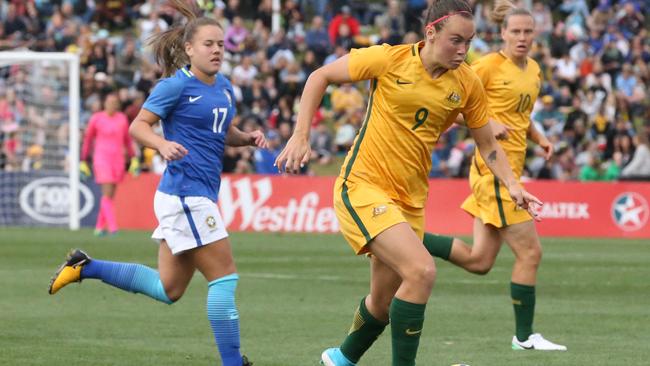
column 108, row 134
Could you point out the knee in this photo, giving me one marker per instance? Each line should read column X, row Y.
column 480, row 268
column 531, row 256
column 174, row 293
column 423, row 274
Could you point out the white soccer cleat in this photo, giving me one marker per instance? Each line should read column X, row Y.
column 536, row 342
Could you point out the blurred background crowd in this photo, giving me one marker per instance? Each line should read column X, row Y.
column 593, row 105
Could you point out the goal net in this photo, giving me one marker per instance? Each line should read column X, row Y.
column 39, row 134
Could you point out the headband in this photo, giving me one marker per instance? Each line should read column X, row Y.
column 430, row 25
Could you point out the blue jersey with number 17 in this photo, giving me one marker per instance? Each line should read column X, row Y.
column 197, row 116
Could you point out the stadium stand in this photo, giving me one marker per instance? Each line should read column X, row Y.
column 594, row 56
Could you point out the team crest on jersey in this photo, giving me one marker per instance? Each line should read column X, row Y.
column 379, row 210
column 453, row 98
column 211, row 222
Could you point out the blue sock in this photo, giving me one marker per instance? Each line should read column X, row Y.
column 127, row 276
column 224, row 318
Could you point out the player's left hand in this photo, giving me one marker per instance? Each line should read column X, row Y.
column 525, row 200
column 546, row 145
column 258, row 139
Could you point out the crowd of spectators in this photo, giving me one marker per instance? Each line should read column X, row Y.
column 593, row 104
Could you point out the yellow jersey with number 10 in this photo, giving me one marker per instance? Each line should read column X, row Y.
column 511, row 94
column 407, row 112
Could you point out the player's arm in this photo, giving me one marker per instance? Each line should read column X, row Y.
column 237, row 137
column 141, row 130
column 298, row 151
column 500, row 130
column 496, row 160
column 493, row 155
column 538, row 137
column 89, row 137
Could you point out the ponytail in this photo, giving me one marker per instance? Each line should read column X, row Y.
column 169, row 46
column 503, row 10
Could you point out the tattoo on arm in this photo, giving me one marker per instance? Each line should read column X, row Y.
column 492, row 157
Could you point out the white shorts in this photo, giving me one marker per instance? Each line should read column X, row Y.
column 187, row 222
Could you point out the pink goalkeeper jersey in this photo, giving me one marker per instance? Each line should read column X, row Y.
column 110, row 135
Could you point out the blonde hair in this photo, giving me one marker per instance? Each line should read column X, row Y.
column 169, row 46
column 503, row 10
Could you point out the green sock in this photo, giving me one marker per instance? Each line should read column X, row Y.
column 523, row 300
column 364, row 331
column 406, row 321
column 438, row 245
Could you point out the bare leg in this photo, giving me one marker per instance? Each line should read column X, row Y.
column 480, row 257
column 524, row 242
column 175, row 271
column 401, row 250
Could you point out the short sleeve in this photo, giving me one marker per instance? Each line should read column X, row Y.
column 475, row 111
column 163, row 97
column 483, row 69
column 368, row 63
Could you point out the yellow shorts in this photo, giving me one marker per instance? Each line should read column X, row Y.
column 364, row 211
column 491, row 202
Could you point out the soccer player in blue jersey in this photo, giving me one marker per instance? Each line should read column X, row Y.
column 195, row 105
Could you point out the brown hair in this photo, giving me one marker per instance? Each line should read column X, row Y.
column 503, row 10
column 441, row 8
column 169, row 46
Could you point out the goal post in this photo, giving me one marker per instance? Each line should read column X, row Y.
column 10, row 58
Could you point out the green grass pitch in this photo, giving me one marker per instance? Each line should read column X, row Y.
column 297, row 294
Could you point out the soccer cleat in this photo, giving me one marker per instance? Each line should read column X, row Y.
column 69, row 271
column 245, row 361
column 536, row 342
column 334, row 357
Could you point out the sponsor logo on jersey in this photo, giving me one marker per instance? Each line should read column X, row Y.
column 403, row 82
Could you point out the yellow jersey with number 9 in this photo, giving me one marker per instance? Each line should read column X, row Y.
column 407, row 112
column 511, row 93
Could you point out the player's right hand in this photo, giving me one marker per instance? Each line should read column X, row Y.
column 171, row 150
column 294, row 156
column 84, row 169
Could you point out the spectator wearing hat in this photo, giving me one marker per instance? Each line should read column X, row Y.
column 549, row 117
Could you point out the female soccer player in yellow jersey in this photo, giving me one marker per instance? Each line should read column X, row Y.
column 416, row 92
column 512, row 81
